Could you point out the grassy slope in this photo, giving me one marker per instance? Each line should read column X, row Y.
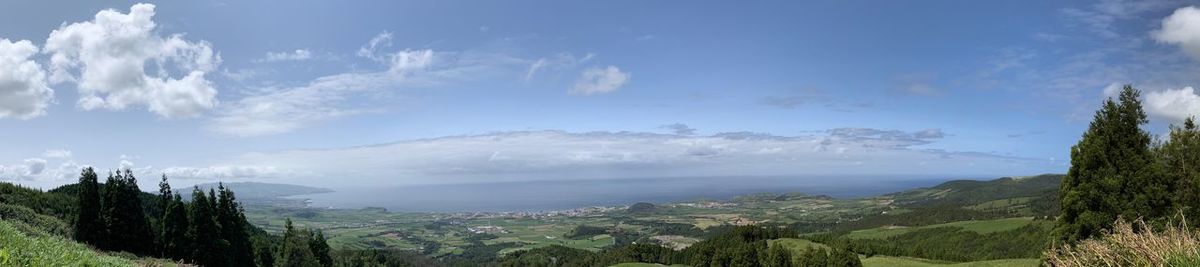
column 982, row 227
column 1027, row 196
column 916, row 262
column 794, row 244
column 19, row 249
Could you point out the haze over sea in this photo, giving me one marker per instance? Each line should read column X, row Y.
column 563, row 195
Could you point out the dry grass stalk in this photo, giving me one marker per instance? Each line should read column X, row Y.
column 1132, row 244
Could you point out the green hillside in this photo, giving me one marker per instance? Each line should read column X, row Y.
column 1025, row 196
column 20, row 249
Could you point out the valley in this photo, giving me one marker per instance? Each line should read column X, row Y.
column 1005, row 206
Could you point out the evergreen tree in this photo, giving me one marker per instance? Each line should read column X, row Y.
column 174, row 232
column 233, row 228
column 320, row 249
column 164, row 199
column 1180, row 158
column 1112, row 173
column 89, row 226
column 295, row 250
column 845, row 258
column 777, row 256
column 164, row 195
column 204, row 232
column 128, row 228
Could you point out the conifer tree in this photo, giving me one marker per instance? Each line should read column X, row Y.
column 233, row 228
column 164, row 196
column 204, row 232
column 174, row 232
column 1112, row 173
column 320, row 249
column 156, row 222
column 295, row 250
column 777, row 256
column 1180, row 158
column 89, row 226
column 128, row 228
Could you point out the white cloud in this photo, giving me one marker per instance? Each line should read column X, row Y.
column 1182, row 28
column 23, row 90
column 540, row 155
column 533, row 68
column 371, row 49
column 600, row 80
column 119, row 60
column 557, row 62
column 222, row 173
column 44, row 173
column 1173, row 104
column 57, row 154
column 1113, row 90
column 298, row 55
column 288, row 109
column 35, row 166
column 277, row 110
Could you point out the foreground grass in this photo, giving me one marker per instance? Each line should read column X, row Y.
column 888, row 261
column 1133, row 244
column 19, row 249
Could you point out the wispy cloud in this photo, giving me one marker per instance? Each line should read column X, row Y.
column 600, row 80
column 271, row 111
column 297, row 55
column 679, row 129
column 534, row 155
column 558, row 62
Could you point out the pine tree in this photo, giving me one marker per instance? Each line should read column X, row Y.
column 164, row 195
column 233, row 228
column 1180, row 158
column 1112, row 173
column 174, row 230
column 320, row 249
column 777, row 256
column 156, row 222
column 204, row 232
column 89, row 226
column 295, row 250
column 128, row 228
column 846, row 258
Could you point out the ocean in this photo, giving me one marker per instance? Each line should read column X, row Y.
column 563, row 195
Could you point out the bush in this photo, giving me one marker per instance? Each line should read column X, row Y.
column 30, row 222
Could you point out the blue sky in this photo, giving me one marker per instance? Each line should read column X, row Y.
column 400, row 92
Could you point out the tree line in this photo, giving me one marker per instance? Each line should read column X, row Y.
column 209, row 230
column 1119, row 171
column 738, row 246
